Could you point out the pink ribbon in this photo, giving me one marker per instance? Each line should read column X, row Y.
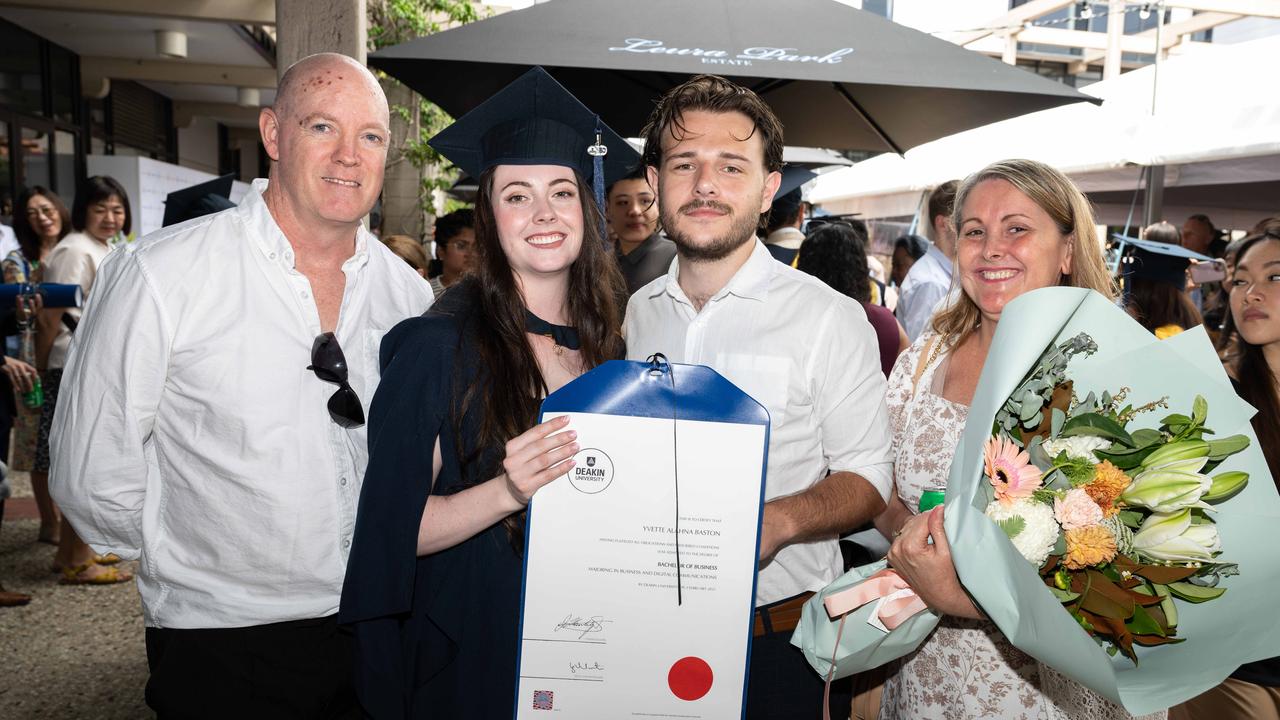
column 891, row 614
column 883, row 584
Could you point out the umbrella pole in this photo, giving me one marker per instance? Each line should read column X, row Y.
column 1155, row 179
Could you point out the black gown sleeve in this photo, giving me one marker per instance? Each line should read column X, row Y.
column 405, row 417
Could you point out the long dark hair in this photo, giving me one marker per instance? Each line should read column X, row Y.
column 1156, row 304
column 836, row 254
column 1257, row 383
column 28, row 238
column 510, row 388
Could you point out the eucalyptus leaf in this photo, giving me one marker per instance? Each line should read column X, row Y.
column 1057, row 420
column 1030, row 408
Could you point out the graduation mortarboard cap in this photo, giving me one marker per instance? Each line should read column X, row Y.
column 788, row 196
column 1156, row 261
column 793, row 176
column 199, row 200
column 535, row 121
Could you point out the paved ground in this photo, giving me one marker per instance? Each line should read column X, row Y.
column 75, row 651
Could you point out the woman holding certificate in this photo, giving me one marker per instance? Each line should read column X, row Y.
column 433, row 580
column 1020, row 226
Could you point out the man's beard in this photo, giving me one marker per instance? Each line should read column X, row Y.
column 741, row 231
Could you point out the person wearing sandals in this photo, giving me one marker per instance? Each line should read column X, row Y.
column 41, row 223
column 100, row 214
column 215, row 399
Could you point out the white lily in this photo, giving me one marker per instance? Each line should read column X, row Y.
column 1172, row 537
column 1169, row 487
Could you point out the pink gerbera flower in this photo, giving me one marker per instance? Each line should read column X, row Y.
column 1010, row 470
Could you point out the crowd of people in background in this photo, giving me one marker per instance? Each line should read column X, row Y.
column 511, row 322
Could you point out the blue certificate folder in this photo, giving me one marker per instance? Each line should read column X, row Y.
column 666, row 436
column 55, row 295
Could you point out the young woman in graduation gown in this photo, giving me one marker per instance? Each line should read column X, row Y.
column 434, row 576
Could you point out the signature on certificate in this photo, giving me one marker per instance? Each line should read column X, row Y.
column 585, row 667
column 582, row 626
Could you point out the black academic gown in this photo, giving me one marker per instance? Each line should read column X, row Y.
column 436, row 636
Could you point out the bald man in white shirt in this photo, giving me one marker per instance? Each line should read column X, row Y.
column 212, row 416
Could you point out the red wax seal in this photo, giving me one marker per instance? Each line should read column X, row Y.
column 690, row 678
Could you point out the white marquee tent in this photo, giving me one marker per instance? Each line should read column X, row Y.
column 1216, row 129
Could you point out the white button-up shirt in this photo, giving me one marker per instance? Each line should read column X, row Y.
column 190, row 432
column 923, row 290
column 805, row 352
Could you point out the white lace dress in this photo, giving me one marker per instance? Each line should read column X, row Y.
column 966, row 669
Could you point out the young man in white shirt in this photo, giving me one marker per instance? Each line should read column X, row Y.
column 929, row 281
column 807, row 353
column 212, row 417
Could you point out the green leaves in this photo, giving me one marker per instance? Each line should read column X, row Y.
column 414, row 119
column 1194, row 593
column 1078, row 471
column 1096, row 424
column 1225, row 447
column 1013, row 526
column 1143, row 624
column 1182, row 427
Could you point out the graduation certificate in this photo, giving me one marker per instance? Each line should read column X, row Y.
column 640, row 567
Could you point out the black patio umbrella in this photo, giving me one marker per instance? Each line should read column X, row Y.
column 837, row 77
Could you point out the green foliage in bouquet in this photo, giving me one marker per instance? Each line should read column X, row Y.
column 1117, row 519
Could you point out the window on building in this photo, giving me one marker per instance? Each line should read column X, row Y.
column 64, row 83
column 65, row 152
column 141, row 119
column 40, row 102
column 35, row 168
column 20, row 71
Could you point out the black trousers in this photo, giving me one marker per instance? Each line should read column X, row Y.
column 299, row 669
column 783, row 686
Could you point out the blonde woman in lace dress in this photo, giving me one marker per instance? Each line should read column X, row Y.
column 1021, row 226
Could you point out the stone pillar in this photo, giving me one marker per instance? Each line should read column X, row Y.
column 306, row 27
column 1115, row 34
column 1010, row 55
column 402, row 186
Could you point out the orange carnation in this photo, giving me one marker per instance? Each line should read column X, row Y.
column 1109, row 482
column 1089, row 546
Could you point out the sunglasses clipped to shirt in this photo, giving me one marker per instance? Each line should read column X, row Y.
column 330, row 365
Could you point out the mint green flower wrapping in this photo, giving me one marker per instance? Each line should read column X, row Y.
column 1220, row 635
column 861, row 646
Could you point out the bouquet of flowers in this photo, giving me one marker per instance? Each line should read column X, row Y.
column 1118, row 523
column 1092, row 531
